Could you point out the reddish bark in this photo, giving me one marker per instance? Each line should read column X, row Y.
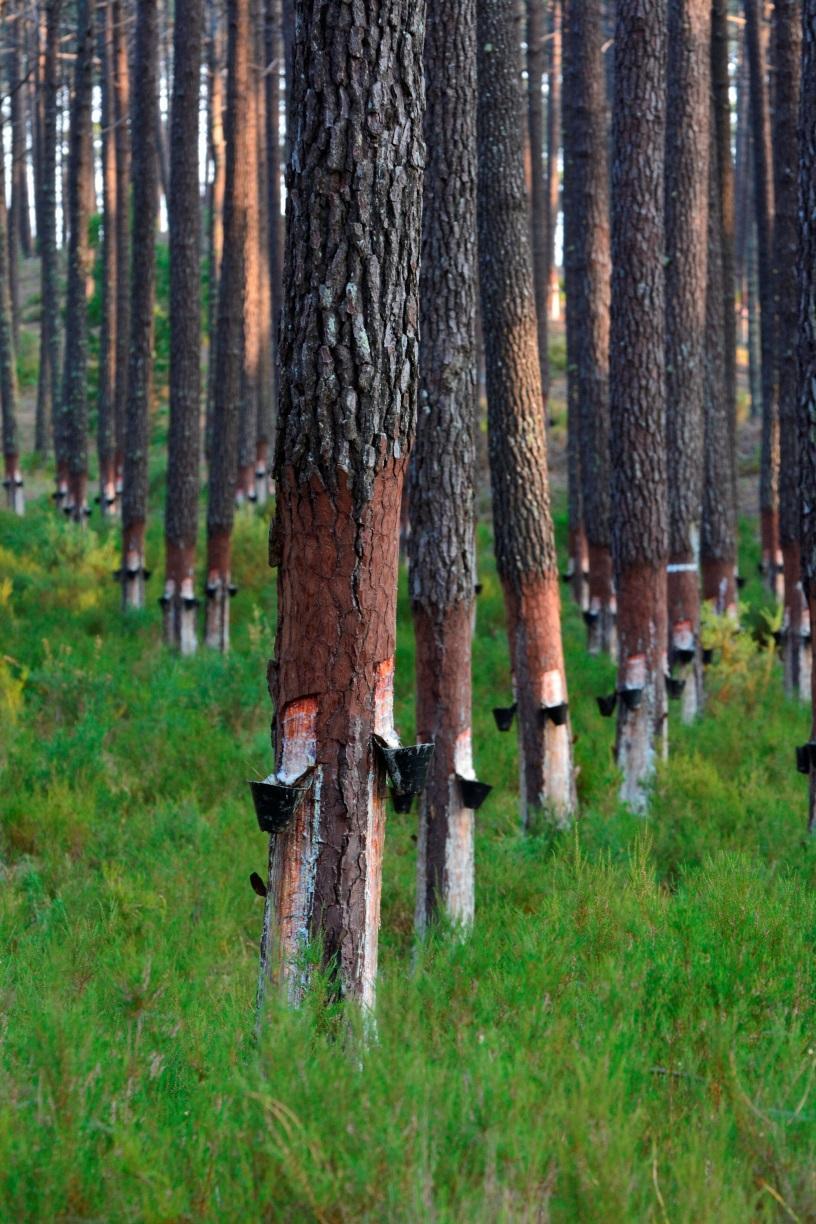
column 219, row 558
column 642, row 732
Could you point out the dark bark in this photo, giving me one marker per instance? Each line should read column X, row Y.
column 349, row 353
column 807, row 339
column 106, row 403
column 251, row 380
column 19, row 215
column 722, row 135
column 181, row 508
column 145, row 173
column 523, row 532
column 121, row 114
column 441, row 497
column 553, row 142
column 688, row 82
column 215, row 136
column 787, row 37
column 274, row 63
column 12, row 477
column 539, row 198
column 266, row 379
column 73, row 413
column 637, row 387
column 48, row 382
column 229, row 354
column 587, row 273
column 763, row 195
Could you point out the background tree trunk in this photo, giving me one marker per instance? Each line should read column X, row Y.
column 349, row 353
column 121, row 112
column 106, row 403
column 587, row 272
column 637, row 390
column 539, row 198
column 266, row 373
column 181, row 508
column 553, row 176
column 12, row 477
column 216, row 213
column 722, row 135
column 145, row 170
column 524, row 543
column 250, row 387
column 441, row 479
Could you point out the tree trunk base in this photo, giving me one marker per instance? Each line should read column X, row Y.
column 720, row 586
column 602, row 616
column 133, row 568
column 642, row 733
column 15, row 495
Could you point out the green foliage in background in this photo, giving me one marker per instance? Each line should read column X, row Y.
column 629, row 1032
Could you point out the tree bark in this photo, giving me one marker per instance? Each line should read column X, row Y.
column 216, row 212
column 12, row 477
column 121, row 114
column 251, row 379
column 722, row 135
column 20, row 215
column 106, row 402
column 349, row 353
column 266, row 372
column 807, row 341
column 145, row 172
column 74, row 404
column 441, row 499
column 587, row 272
column 524, row 542
column 687, row 185
column 539, row 165
column 787, row 35
column 181, row 507
column 637, row 391
column 48, row 381
column 764, row 201
column 229, row 355
column 553, row 177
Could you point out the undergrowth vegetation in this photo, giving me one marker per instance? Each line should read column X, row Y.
column 629, row 1032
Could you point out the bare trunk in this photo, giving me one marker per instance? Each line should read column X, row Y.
column 121, row 113
column 12, row 477
column 539, row 197
column 106, row 404
column 553, row 138
column 216, row 213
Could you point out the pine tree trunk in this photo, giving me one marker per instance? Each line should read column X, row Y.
column 216, row 195
column 722, row 135
column 525, row 547
column 553, row 178
column 12, row 477
column 637, row 391
column 48, row 383
column 787, row 34
column 687, row 184
column 587, row 271
column 807, row 341
column 74, row 404
column 181, row 508
column 539, row 198
column 145, row 171
column 19, row 216
column 441, row 500
column 266, row 374
column 229, row 354
column 274, row 58
column 105, row 439
column 121, row 112
column 250, row 387
column 349, row 353
column 763, row 193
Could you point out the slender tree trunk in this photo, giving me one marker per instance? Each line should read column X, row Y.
column 553, row 178
column 587, row 271
column 229, row 354
column 12, row 477
column 525, row 547
column 48, row 387
column 74, row 404
column 266, row 378
column 349, row 352
column 441, row 501
column 20, row 216
column 722, row 134
column 250, row 388
column 787, row 31
column 807, row 345
column 106, row 403
column 121, row 112
column 539, row 198
column 274, row 61
column 181, row 508
column 763, row 189
column 216, row 214
column 145, row 171
column 637, row 391
column 754, row 341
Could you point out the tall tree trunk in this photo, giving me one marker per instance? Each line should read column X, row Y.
column 539, row 197
column 216, row 212
column 441, row 500
column 121, row 113
column 722, row 134
column 587, row 271
column 718, row 534
column 553, row 141
column 274, row 62
column 229, row 354
column 181, row 508
column 349, row 353
column 524, row 542
column 106, row 403
column 688, row 82
column 266, row 374
column 145, row 172
column 763, row 192
column 74, row 404
column 248, row 421
column 12, row 477
column 787, row 31
column 20, row 216
column 48, row 383
column 638, row 392
column 807, row 344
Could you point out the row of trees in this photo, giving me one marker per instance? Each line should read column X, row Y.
column 416, row 184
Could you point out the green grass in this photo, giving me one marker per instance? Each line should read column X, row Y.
column 629, row 1033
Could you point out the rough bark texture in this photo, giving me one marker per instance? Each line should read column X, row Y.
column 637, row 386
column 764, row 200
column 216, row 200
column 553, row 177
column 807, row 339
column 121, row 111
column 523, row 532
column 349, row 353
column 687, row 183
column 539, row 198
column 441, row 498
column 48, row 381
column 725, row 188
column 718, row 533
column 229, row 352
column 106, row 402
column 140, row 366
column 587, row 273
column 181, row 508
column 266, row 374
column 74, row 406
column 787, row 49
column 251, row 381
column 12, row 477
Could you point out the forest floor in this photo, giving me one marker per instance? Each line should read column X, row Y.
column 629, row 1033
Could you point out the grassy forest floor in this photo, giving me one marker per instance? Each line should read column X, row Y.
column 629, row 1032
